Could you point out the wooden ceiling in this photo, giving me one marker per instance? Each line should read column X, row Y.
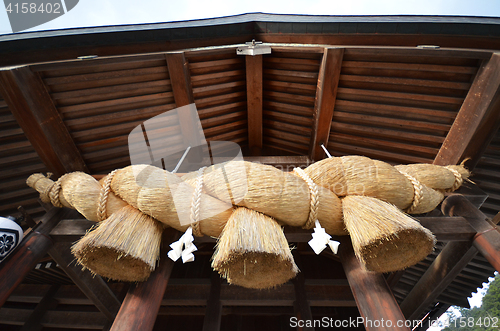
column 346, row 84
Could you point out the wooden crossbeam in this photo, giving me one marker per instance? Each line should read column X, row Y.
column 454, row 228
column 372, row 294
column 93, row 286
column 326, row 94
column 478, row 119
column 29, row 101
column 254, row 78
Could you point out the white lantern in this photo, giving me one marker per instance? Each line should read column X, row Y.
column 11, row 235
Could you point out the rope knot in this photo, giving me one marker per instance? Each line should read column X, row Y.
column 196, row 204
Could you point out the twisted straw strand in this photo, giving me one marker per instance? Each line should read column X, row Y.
column 417, row 195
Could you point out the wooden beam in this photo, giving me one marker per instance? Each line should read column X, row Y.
column 254, row 102
column 29, row 101
column 93, row 286
column 326, row 94
column 372, row 294
column 33, row 323
column 213, row 313
column 180, row 78
column 478, row 118
column 142, row 303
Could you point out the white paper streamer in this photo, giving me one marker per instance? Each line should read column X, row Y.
column 183, row 247
column 321, row 239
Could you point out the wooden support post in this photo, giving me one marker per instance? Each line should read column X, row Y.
column 453, row 258
column 487, row 239
column 301, row 305
column 30, row 103
column 213, row 313
column 28, row 253
column 93, row 286
column 254, row 102
column 373, row 296
column 48, row 302
column 326, row 94
column 142, row 303
column 478, row 119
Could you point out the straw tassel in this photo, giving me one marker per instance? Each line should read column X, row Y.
column 253, row 251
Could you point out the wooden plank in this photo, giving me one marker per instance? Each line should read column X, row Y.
column 93, row 286
column 16, row 266
column 142, row 303
column 371, row 292
column 324, row 103
column 254, row 102
column 31, row 105
column 479, row 117
column 213, row 317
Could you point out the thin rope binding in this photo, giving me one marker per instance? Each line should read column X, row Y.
column 458, row 179
column 196, row 203
column 313, row 198
column 102, row 212
column 417, row 195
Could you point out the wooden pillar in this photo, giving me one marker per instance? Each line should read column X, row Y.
column 142, row 303
column 28, row 253
column 301, row 305
column 326, row 94
column 213, row 313
column 254, row 102
column 30, row 103
column 374, row 299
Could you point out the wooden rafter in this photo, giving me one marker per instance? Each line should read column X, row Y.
column 254, row 78
column 180, row 79
column 478, row 118
column 33, row 323
column 30, row 103
column 326, row 94
column 373, row 296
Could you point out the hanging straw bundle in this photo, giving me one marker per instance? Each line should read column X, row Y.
column 253, row 251
column 283, row 196
column 124, row 247
column 382, row 236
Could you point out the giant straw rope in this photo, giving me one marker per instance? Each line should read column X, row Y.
column 334, row 191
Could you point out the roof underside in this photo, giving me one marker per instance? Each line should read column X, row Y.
column 392, row 103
